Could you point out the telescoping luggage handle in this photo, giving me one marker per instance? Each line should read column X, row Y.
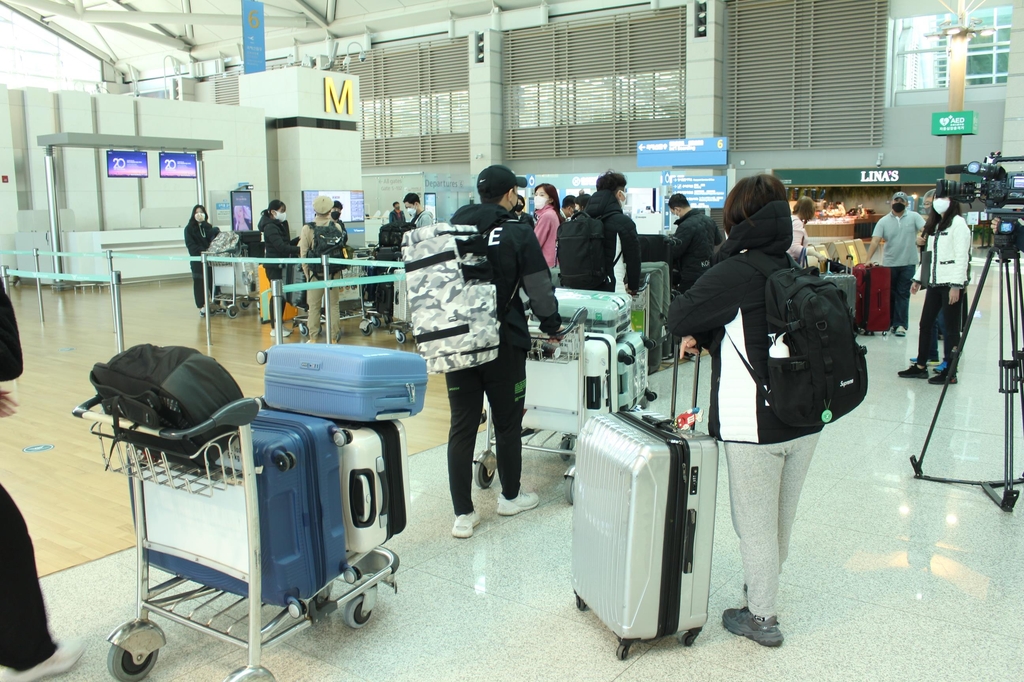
column 675, row 376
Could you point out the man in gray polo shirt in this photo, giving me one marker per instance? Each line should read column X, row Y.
column 899, row 230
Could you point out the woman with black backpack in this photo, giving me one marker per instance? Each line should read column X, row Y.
column 279, row 244
column 726, row 311
column 198, row 235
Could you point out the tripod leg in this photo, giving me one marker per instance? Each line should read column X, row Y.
column 918, row 462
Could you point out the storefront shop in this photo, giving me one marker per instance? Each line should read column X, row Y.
column 849, row 201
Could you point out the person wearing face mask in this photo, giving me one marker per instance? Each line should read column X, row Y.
column 336, row 213
column 517, row 260
column 521, row 214
column 198, row 235
column 279, row 244
column 396, row 216
column 548, row 218
column 414, row 212
column 568, row 208
column 943, row 273
column 899, row 230
column 691, row 252
column 619, row 229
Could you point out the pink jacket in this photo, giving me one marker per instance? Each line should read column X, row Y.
column 799, row 239
column 546, row 230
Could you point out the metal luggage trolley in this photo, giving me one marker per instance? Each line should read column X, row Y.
column 158, row 463
column 352, row 292
column 391, row 314
column 547, row 415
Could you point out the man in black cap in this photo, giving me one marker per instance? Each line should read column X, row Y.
column 899, row 230
column 517, row 259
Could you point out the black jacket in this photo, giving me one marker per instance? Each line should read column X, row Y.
column 691, row 253
column 198, row 237
column 277, row 238
column 11, row 363
column 617, row 226
column 727, row 306
column 515, row 255
column 699, row 218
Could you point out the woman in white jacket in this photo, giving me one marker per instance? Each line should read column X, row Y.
column 947, row 255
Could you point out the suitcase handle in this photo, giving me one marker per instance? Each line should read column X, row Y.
column 362, row 496
column 675, row 375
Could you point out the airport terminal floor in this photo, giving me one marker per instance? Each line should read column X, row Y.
column 888, row 578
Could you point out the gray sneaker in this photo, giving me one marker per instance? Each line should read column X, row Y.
column 742, row 622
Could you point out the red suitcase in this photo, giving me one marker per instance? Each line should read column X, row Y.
column 874, row 284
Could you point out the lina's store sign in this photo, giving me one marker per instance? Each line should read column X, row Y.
column 336, row 102
column 955, row 123
column 848, row 177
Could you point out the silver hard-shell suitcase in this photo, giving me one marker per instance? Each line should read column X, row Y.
column 644, row 517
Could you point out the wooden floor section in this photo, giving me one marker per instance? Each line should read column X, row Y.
column 76, row 512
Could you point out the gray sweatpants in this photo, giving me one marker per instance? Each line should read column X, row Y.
column 764, row 489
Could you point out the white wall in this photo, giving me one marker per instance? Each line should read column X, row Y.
column 8, row 190
column 120, row 197
column 80, row 177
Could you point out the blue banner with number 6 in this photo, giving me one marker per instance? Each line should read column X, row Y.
column 254, row 44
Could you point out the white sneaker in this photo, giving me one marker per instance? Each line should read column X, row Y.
column 284, row 332
column 525, row 502
column 64, row 659
column 464, row 525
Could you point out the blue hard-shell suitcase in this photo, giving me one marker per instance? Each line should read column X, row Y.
column 302, row 522
column 358, row 383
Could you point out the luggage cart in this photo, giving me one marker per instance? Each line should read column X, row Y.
column 218, row 476
column 555, row 415
column 344, row 294
column 237, row 279
column 389, row 309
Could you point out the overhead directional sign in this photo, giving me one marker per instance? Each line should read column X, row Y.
column 695, row 152
column 703, row 192
column 254, row 43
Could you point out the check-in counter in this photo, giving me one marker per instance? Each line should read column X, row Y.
column 158, row 241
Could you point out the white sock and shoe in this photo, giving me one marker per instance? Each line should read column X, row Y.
column 464, row 525
column 284, row 331
column 64, row 659
column 524, row 502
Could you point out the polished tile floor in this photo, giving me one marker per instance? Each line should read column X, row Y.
column 889, row 578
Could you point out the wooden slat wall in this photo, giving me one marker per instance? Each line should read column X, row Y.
column 806, row 74
column 595, row 88
column 415, row 103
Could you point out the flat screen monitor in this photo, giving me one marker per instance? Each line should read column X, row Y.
column 353, row 210
column 241, row 210
column 127, row 164
column 178, row 165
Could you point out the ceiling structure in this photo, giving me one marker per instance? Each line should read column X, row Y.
column 142, row 33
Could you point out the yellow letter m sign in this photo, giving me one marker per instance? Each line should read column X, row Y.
column 338, row 103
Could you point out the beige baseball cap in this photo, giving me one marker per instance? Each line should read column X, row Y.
column 322, row 205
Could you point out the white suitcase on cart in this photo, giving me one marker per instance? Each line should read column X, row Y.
column 374, row 483
column 643, row 526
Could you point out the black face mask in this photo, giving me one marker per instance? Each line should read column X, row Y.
column 336, row 215
column 898, row 208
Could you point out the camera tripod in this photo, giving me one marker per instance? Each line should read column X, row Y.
column 1011, row 301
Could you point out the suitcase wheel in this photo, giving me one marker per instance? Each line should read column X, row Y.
column 400, row 336
column 123, row 666
column 622, row 652
column 689, row 637
column 567, row 445
column 232, row 311
column 244, row 304
column 303, row 329
column 366, row 327
column 376, row 322
column 354, row 615
column 580, row 604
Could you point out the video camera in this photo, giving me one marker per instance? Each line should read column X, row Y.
column 1002, row 192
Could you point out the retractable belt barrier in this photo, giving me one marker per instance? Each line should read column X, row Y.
column 114, row 277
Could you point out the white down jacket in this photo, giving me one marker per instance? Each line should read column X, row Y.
column 950, row 255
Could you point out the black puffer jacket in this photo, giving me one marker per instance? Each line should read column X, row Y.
column 11, row 362
column 725, row 312
column 517, row 259
column 691, row 252
column 278, row 238
column 617, row 226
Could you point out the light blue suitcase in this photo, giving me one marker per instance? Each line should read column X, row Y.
column 357, row 383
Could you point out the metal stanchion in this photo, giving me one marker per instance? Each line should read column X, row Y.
column 327, row 298
column 115, row 286
column 110, row 270
column 276, row 297
column 206, row 299
column 6, row 280
column 39, row 285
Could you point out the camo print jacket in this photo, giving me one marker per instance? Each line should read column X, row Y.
column 516, row 257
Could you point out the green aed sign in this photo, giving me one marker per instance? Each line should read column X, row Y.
column 955, row 123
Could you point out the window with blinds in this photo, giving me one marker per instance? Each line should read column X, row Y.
column 595, row 88
column 415, row 103
column 805, row 74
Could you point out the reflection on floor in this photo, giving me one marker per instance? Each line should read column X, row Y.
column 889, row 578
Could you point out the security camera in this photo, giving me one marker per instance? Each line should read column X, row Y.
column 362, row 56
column 878, row 161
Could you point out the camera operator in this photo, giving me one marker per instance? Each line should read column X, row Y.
column 943, row 273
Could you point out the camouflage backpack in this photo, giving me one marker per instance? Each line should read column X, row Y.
column 452, row 297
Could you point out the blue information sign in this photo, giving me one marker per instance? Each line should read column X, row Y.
column 704, row 192
column 696, row 152
column 254, row 45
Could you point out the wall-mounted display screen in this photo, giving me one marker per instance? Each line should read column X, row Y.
column 241, row 210
column 354, row 210
column 177, row 165
column 127, row 164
